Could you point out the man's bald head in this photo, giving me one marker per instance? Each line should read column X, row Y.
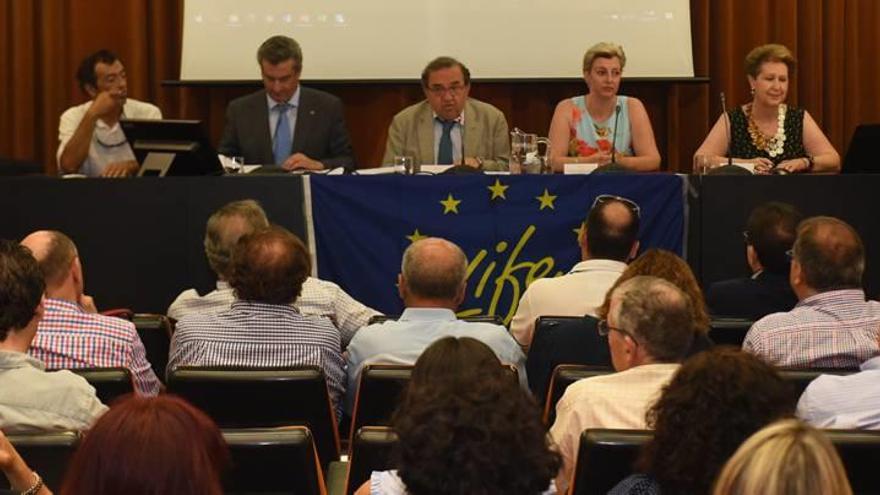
column 612, row 229
column 54, row 252
column 830, row 253
column 434, row 268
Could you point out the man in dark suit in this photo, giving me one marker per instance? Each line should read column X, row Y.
column 770, row 232
column 286, row 124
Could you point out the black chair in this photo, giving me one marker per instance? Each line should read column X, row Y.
column 604, row 458
column 729, row 331
column 563, row 376
column 801, row 378
column 267, row 397
column 155, row 332
column 563, row 340
column 109, row 383
column 379, row 391
column 859, row 450
column 370, row 451
column 280, row 460
column 494, row 319
column 45, row 453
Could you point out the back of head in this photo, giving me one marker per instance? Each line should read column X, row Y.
column 465, row 426
column 434, row 269
column 85, row 73
column 668, row 266
column 659, row 315
column 612, row 228
column 147, row 446
column 269, row 266
column 21, row 287
column 786, row 458
column 225, row 227
column 771, row 231
column 54, row 252
column 712, row 404
column 830, row 253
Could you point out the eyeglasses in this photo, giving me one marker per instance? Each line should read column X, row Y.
column 604, row 329
column 746, row 236
column 454, row 90
column 790, row 254
column 605, row 198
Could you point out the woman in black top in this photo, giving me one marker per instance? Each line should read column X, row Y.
column 766, row 132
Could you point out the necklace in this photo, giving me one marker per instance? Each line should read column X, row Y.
column 772, row 146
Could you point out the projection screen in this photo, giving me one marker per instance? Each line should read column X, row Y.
column 394, row 39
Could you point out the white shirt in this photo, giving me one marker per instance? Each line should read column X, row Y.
column 108, row 143
column 844, row 402
column 577, row 293
column 618, row 400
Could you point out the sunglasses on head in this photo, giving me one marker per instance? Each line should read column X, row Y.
column 606, row 198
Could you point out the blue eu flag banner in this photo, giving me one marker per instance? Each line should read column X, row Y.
column 513, row 229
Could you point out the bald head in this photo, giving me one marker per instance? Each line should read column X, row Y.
column 54, row 252
column 830, row 254
column 434, row 269
column 612, row 229
column 269, row 266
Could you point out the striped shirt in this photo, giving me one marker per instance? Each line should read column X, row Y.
column 259, row 335
column 318, row 298
column 833, row 329
column 69, row 337
column 847, row 402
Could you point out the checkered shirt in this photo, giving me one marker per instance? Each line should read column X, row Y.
column 833, row 329
column 69, row 337
column 259, row 335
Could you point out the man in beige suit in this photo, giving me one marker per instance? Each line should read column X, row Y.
column 431, row 131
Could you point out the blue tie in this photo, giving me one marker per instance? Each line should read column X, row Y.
column 444, row 150
column 282, row 142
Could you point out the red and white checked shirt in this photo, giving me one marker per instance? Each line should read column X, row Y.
column 833, row 329
column 69, row 337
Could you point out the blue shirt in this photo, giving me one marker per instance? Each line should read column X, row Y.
column 402, row 342
column 291, row 114
column 844, row 402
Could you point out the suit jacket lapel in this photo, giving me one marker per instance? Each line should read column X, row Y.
column 305, row 113
column 426, row 135
column 471, row 132
column 261, row 114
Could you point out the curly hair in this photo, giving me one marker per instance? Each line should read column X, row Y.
column 21, row 287
column 269, row 266
column 715, row 401
column 466, row 427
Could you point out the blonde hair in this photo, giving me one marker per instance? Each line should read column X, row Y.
column 604, row 49
column 787, row 457
column 769, row 53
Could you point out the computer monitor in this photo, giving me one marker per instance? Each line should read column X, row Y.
column 171, row 147
column 861, row 156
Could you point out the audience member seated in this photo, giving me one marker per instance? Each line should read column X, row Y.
column 668, row 266
column 72, row 334
column 91, row 142
column 714, row 402
column 432, row 284
column 650, row 328
column 785, row 457
column 464, row 426
column 261, row 329
column 832, row 326
column 318, row 297
column 583, row 128
column 608, row 240
column 770, row 232
column 32, row 399
column 20, row 477
column 844, row 402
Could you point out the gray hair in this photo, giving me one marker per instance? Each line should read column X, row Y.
column 221, row 236
column 434, row 268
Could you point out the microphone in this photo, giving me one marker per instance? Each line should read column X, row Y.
column 614, row 136
column 726, row 127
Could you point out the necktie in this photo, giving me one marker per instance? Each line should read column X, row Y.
column 444, row 150
column 282, row 141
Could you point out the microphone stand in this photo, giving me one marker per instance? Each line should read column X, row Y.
column 613, row 166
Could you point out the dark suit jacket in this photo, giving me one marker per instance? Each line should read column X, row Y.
column 749, row 298
column 320, row 131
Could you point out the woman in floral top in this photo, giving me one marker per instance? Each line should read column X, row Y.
column 582, row 129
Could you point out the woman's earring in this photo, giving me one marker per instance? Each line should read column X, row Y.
column 752, row 91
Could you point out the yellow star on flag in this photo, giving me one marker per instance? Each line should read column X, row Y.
column 416, row 236
column 450, row 204
column 497, row 190
column 546, row 200
column 577, row 231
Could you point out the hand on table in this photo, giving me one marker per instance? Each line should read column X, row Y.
column 299, row 161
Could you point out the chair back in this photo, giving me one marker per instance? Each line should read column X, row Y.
column 273, row 460
column 859, row 450
column 45, row 453
column 494, row 319
column 263, row 397
column 563, row 340
column 379, row 392
column 800, row 379
column 729, row 331
column 371, row 449
column 155, row 332
column 563, row 376
column 109, row 383
column 605, row 457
